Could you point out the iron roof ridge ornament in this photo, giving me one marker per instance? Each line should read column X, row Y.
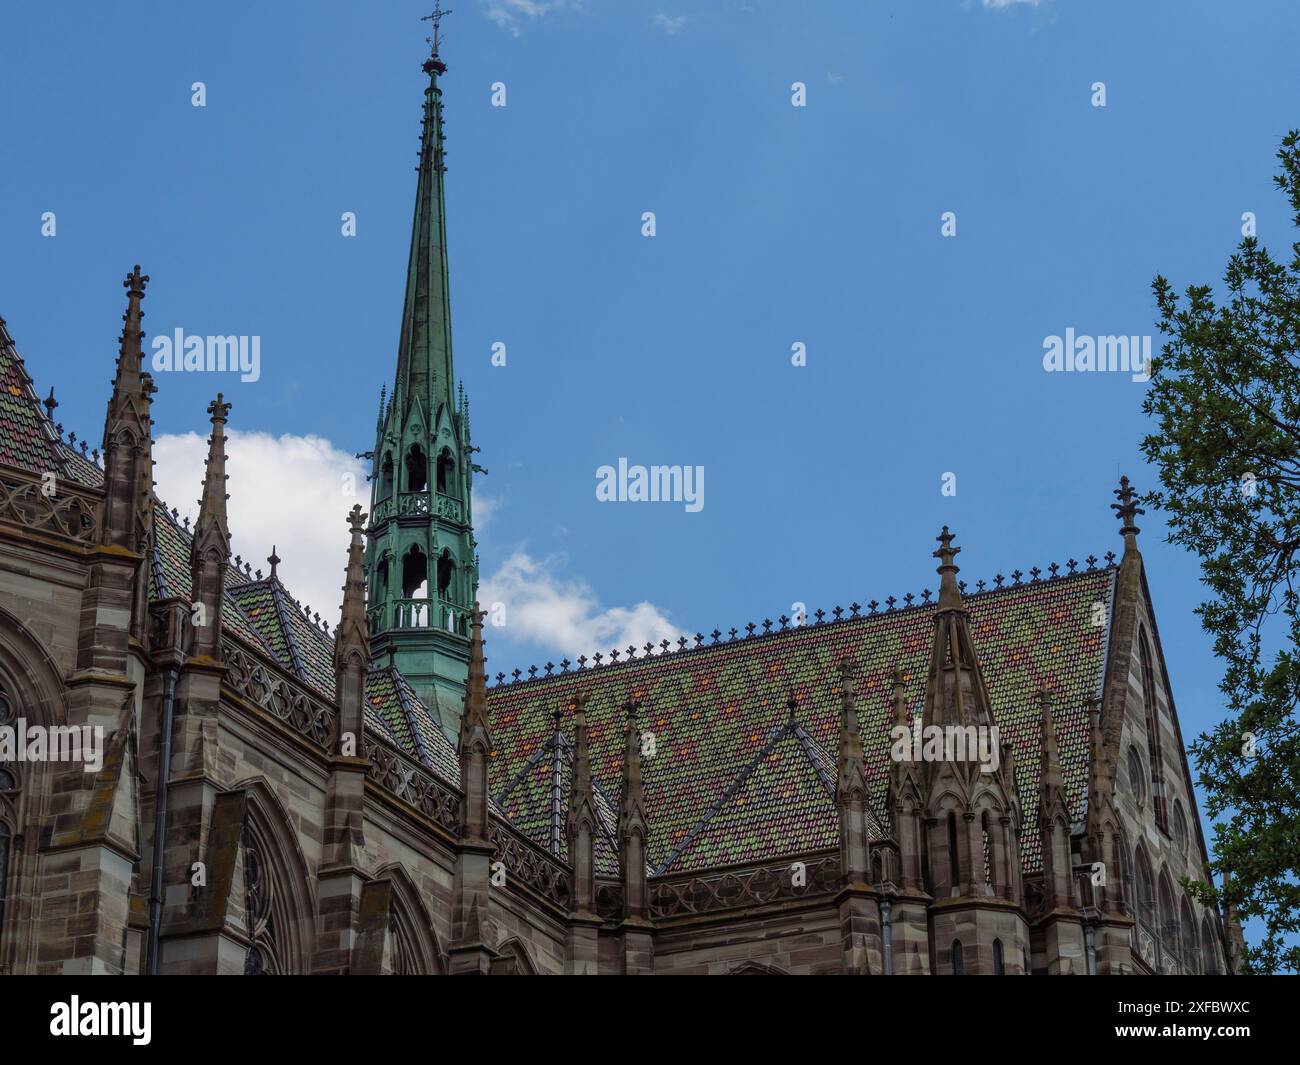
column 750, row 633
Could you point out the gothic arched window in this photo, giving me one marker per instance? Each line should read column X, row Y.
column 1168, row 923
column 386, row 476
column 1153, row 732
column 1209, row 954
column 958, row 968
column 1136, row 776
column 1180, row 827
column 446, row 464
column 446, row 570
column 8, row 781
column 4, row 868
column 954, row 863
column 1146, row 891
column 997, row 957
column 417, row 469
column 415, row 571
column 1190, row 944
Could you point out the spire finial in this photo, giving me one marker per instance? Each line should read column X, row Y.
column 217, row 409
column 50, row 403
column 435, row 42
column 275, row 559
column 949, row 593
column 1126, row 510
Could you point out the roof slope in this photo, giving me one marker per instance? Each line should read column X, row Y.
column 715, row 709
column 26, row 438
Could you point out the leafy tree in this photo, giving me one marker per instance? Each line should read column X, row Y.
column 1225, row 395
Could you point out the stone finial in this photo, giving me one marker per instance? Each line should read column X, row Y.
column 949, row 593
column 475, row 747
column 1127, row 510
column 898, row 697
column 632, row 825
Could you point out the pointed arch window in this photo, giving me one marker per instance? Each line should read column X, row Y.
column 1146, row 891
column 415, row 571
column 1168, row 922
column 5, row 838
column 997, row 958
column 417, row 469
column 446, row 573
column 8, row 781
column 1209, row 954
column 1189, row 942
column 954, row 861
column 1153, row 733
column 1181, row 834
column 958, row 967
column 446, row 467
column 386, row 476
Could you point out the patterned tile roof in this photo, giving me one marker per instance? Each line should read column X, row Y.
column 536, row 801
column 26, row 438
column 715, row 709
column 80, row 468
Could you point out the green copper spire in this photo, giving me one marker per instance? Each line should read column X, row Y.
column 421, row 570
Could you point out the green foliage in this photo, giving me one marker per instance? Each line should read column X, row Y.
column 1225, row 395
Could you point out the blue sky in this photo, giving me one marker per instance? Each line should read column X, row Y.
column 775, row 225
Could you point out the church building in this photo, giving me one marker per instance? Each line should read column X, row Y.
column 282, row 794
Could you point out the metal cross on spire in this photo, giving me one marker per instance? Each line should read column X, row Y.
column 435, row 17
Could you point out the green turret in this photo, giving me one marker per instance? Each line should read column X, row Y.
column 421, row 569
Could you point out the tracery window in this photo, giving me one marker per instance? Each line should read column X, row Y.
column 1180, row 826
column 954, row 864
column 1190, row 942
column 1136, row 776
column 263, row 958
column 4, row 868
column 1146, row 893
column 8, row 779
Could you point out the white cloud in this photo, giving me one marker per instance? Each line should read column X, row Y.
column 286, row 491
column 671, row 25
column 990, row 5
column 485, row 511
column 563, row 615
column 511, row 15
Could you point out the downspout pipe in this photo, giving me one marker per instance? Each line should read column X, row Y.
column 160, row 819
